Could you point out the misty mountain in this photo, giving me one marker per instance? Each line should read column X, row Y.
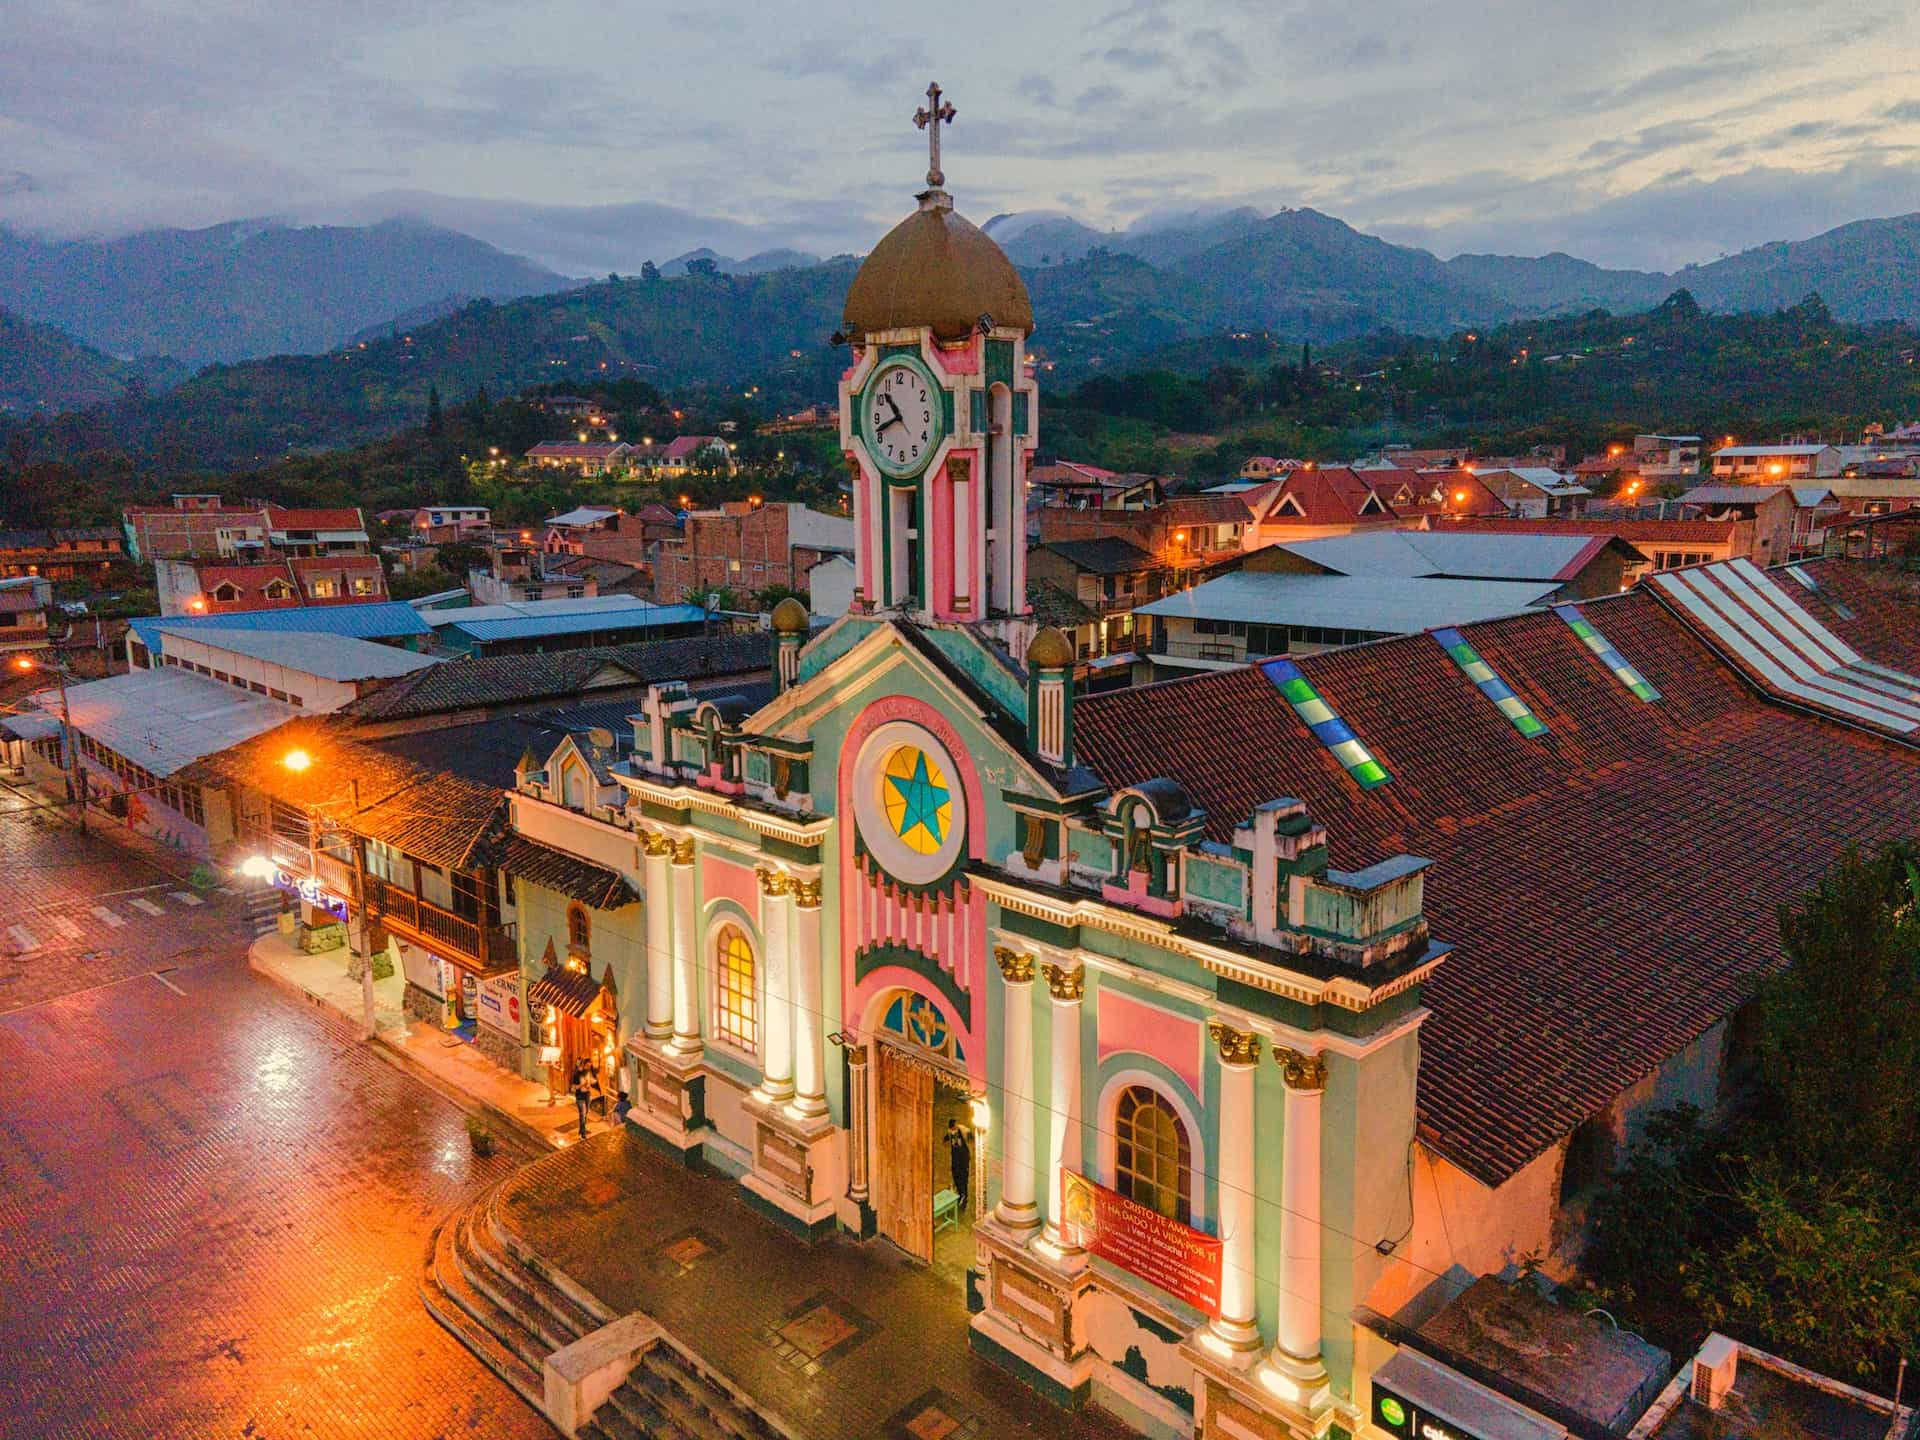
column 250, row 288
column 1050, row 237
column 756, row 264
column 44, row 368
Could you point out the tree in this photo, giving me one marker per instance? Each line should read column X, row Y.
column 703, row 267
column 457, row 557
column 1840, row 1043
column 649, row 271
column 436, row 422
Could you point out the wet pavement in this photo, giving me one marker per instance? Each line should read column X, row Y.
column 839, row 1339
column 215, row 1200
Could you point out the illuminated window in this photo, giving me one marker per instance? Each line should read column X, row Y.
column 325, row 589
column 736, row 1010
column 1153, row 1159
column 579, row 928
column 918, row 802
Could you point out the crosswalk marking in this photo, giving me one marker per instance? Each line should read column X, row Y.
column 24, row 937
column 64, row 924
column 185, row 898
column 146, row 905
column 108, row 917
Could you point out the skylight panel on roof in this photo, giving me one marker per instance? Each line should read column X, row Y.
column 1327, row 726
column 1609, row 657
column 1489, row 683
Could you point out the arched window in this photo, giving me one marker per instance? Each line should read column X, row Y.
column 1152, row 1158
column 736, row 1008
column 573, row 786
column 579, row 929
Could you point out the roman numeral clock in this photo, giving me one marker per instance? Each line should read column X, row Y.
column 938, row 416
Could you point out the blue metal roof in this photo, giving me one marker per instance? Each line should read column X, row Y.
column 377, row 620
column 587, row 622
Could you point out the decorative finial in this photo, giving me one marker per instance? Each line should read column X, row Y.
column 929, row 118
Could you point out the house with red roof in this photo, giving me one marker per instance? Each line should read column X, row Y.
column 213, row 587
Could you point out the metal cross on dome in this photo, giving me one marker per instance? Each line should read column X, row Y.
column 929, row 118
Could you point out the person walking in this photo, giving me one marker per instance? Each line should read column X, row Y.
column 960, row 1158
column 582, row 1092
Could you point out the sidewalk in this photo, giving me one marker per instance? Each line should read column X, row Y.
column 445, row 1062
column 841, row 1340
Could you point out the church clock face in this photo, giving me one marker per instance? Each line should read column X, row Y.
column 901, row 415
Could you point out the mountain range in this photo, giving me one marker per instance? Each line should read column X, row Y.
column 387, row 311
column 249, row 288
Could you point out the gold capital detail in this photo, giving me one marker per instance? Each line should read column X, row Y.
column 806, row 894
column 772, row 882
column 1065, row 984
column 656, row 843
column 683, row 851
column 1237, row 1047
column 1015, row 968
column 1302, row 1071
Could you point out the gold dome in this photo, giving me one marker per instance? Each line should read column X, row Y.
column 789, row 617
column 938, row 269
column 1049, row 650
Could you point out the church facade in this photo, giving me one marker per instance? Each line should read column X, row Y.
column 1067, row 999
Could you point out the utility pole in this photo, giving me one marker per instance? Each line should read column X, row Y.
column 360, row 903
column 76, row 778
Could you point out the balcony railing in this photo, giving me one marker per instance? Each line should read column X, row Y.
column 486, row 947
column 1202, row 649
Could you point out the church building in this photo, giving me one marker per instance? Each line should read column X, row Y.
column 1187, row 1026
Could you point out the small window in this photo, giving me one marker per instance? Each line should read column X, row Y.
column 736, row 1011
column 363, row 585
column 325, row 588
column 280, row 590
column 579, row 929
column 226, row 592
column 1153, row 1156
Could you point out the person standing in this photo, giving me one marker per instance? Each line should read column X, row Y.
column 582, row 1092
column 960, row 1158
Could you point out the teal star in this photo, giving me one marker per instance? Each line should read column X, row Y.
column 923, row 800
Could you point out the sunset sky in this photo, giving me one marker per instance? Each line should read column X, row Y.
column 593, row 136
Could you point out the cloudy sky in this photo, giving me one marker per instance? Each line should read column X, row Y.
column 594, row 135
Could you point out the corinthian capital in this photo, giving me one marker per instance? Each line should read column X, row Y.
column 1301, row 1070
column 1015, row 968
column 656, row 844
column 683, row 851
column 1237, row 1047
column 772, row 882
column 806, row 894
column 1065, row 984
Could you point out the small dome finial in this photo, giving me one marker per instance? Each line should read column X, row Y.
column 790, row 617
column 1049, row 650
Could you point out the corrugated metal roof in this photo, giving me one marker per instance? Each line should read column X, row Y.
column 1449, row 554
column 1730, row 494
column 376, row 620
column 331, row 657
column 1744, row 450
column 634, row 617
column 1382, row 604
column 528, row 609
column 164, row 720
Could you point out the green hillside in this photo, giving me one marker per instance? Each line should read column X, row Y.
column 43, row 366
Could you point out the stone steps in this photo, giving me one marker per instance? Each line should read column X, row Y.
column 474, row 1321
column 512, row 1311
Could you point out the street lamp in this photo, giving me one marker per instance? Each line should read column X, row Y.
column 70, row 755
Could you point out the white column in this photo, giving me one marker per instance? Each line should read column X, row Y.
column 776, row 1025
column 1017, row 1209
column 1237, row 1324
column 659, row 911
column 809, row 1004
column 686, row 978
column 1299, row 1328
column 1066, row 987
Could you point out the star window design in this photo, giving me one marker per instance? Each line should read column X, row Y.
column 918, row 803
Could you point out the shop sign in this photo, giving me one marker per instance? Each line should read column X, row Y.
column 1176, row 1258
column 423, row 968
column 308, row 889
column 498, row 1004
column 1400, row 1417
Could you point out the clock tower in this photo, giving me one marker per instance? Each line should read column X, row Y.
column 938, row 415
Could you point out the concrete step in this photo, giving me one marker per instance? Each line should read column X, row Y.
column 637, row 1405
column 503, row 1288
column 719, row 1407
column 483, row 1234
column 664, row 1382
column 443, row 1302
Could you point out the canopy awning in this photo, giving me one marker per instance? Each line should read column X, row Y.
column 571, row 991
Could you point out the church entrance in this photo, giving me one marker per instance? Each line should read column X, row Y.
column 926, row 1174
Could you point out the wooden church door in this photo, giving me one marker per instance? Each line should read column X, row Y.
column 903, row 1190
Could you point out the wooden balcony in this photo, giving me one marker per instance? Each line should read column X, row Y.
column 486, row 949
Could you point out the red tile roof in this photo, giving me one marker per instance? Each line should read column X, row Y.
column 1610, row 886
column 687, row 446
column 1326, row 496
column 335, row 519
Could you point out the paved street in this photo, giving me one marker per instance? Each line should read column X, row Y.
column 215, row 1202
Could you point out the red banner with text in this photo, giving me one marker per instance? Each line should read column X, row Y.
column 1180, row 1260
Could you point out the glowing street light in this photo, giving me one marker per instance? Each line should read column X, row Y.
column 298, row 761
